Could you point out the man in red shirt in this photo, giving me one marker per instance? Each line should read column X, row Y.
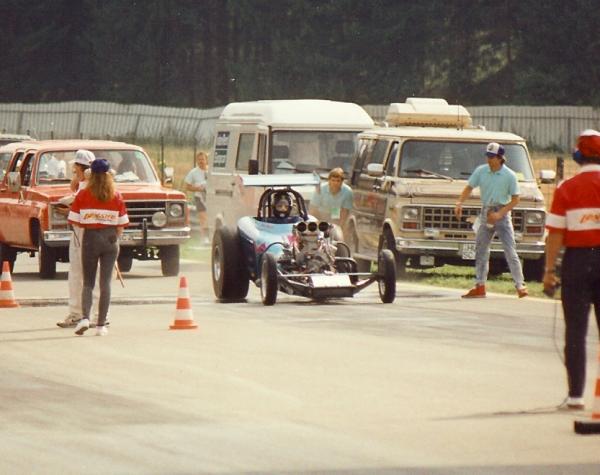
column 574, row 222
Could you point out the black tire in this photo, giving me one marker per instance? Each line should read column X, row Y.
column 7, row 253
column 46, row 259
column 268, row 279
column 345, row 266
column 387, row 276
column 387, row 241
column 125, row 260
column 169, row 260
column 497, row 267
column 229, row 273
column 533, row 271
column 362, row 265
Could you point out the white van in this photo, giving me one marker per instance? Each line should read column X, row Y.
column 277, row 137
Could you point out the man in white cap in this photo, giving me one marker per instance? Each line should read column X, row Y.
column 499, row 189
column 81, row 163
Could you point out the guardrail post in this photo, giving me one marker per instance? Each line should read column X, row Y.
column 560, row 168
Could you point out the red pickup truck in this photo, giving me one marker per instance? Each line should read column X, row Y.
column 36, row 174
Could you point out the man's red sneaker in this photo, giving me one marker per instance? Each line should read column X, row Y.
column 522, row 292
column 477, row 292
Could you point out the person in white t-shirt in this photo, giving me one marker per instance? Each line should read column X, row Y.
column 195, row 181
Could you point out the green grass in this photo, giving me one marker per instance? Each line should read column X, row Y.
column 460, row 277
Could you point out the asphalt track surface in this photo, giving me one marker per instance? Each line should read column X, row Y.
column 431, row 384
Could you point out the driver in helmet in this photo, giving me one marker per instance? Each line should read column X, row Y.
column 281, row 208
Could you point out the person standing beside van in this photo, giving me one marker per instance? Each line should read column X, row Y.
column 574, row 222
column 333, row 201
column 195, row 181
column 499, row 190
column 101, row 211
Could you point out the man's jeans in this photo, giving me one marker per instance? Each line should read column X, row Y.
column 504, row 229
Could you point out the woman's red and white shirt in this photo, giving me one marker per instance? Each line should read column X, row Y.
column 576, row 208
column 89, row 212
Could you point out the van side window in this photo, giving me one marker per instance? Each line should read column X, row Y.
column 364, row 148
column 378, row 154
column 392, row 160
column 245, row 149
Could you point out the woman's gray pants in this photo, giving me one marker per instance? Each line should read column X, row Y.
column 99, row 245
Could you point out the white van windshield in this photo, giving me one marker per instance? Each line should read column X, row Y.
column 302, row 152
column 436, row 160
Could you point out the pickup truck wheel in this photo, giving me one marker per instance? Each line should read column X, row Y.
column 387, row 276
column 169, row 260
column 46, row 260
column 268, row 279
column 125, row 260
column 7, row 253
column 229, row 273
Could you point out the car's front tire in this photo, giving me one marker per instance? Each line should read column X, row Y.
column 387, row 276
column 229, row 273
column 169, row 260
column 268, row 279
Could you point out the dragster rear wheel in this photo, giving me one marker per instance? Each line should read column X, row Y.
column 387, row 276
column 229, row 274
column 268, row 279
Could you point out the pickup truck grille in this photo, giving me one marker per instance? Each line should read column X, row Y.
column 138, row 210
column 440, row 217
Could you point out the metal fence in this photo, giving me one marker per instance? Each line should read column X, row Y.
column 544, row 127
column 547, row 127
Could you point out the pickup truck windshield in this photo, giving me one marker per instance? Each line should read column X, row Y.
column 130, row 166
column 457, row 160
column 320, row 151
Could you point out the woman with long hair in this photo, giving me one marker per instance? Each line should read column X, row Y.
column 100, row 210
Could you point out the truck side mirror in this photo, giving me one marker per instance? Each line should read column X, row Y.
column 168, row 176
column 547, row 176
column 375, row 169
column 252, row 167
column 14, row 182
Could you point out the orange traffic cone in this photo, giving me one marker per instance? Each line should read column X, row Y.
column 184, row 320
column 593, row 426
column 7, row 296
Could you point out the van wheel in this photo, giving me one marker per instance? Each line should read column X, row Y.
column 387, row 276
column 387, row 241
column 362, row 265
column 229, row 273
column 7, row 253
column 268, row 279
column 169, row 260
column 46, row 259
column 533, row 270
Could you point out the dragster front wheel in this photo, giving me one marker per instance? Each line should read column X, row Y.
column 268, row 279
column 387, row 276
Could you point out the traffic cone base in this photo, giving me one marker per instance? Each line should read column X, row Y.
column 7, row 296
column 184, row 319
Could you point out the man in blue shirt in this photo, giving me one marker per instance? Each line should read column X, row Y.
column 499, row 191
column 333, row 201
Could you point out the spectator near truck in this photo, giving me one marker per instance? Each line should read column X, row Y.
column 38, row 173
column 406, row 177
column 277, row 137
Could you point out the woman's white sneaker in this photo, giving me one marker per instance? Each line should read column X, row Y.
column 101, row 331
column 82, row 326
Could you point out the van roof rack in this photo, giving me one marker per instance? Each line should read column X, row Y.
column 428, row 112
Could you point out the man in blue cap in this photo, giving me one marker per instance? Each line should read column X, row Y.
column 499, row 189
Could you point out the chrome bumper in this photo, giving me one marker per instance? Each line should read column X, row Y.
column 130, row 238
column 527, row 250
